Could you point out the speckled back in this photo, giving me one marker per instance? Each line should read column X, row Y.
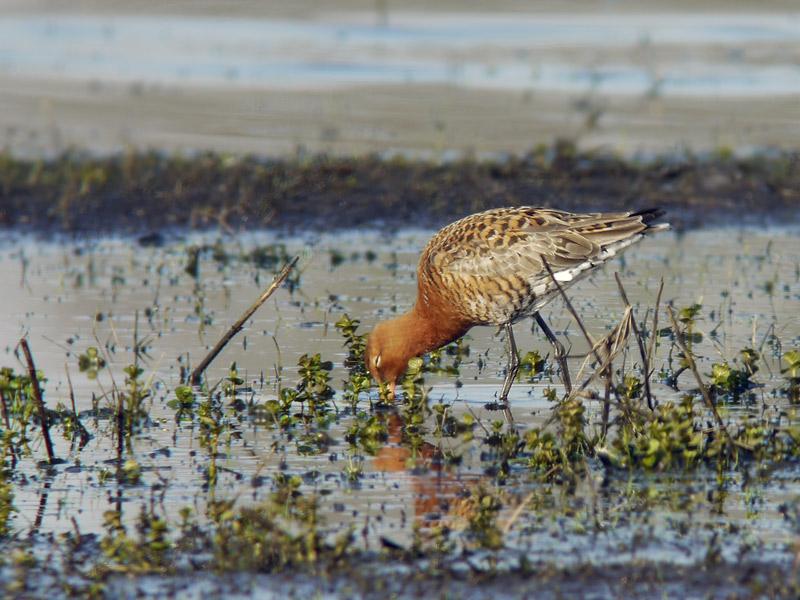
column 488, row 267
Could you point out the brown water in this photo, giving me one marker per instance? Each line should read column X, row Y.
column 70, row 295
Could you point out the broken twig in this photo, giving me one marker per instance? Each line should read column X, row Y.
column 642, row 352
column 37, row 393
column 239, row 325
column 693, row 368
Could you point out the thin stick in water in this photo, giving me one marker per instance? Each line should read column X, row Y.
column 572, row 310
column 642, row 353
column 693, row 367
column 654, row 334
column 37, row 393
column 7, row 421
column 237, row 327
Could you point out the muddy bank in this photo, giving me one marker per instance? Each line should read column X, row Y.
column 641, row 581
column 141, row 192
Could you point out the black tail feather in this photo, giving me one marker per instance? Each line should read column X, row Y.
column 649, row 214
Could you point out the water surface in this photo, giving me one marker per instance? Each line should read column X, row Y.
column 67, row 296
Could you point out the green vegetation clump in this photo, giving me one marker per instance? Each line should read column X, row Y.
column 283, row 532
column 730, row 382
column 792, row 374
column 561, row 454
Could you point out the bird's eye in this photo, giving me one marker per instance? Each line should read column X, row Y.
column 377, row 360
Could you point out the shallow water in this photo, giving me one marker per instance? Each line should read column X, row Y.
column 70, row 295
column 671, row 54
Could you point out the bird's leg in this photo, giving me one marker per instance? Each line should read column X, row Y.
column 558, row 347
column 511, row 371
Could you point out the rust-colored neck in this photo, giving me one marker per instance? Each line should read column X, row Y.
column 394, row 342
column 428, row 328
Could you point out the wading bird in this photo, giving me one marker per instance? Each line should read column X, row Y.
column 491, row 268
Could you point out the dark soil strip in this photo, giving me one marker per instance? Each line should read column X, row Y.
column 136, row 193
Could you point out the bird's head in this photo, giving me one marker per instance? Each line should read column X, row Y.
column 388, row 353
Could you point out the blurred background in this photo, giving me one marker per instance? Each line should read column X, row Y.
column 436, row 79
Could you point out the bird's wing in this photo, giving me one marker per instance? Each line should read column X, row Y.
column 508, row 242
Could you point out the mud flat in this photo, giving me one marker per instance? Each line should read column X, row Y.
column 437, row 82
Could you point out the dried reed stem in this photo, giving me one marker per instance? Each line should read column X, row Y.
column 37, row 393
column 239, row 324
column 592, row 345
column 7, row 421
column 654, row 333
column 693, row 368
column 642, row 353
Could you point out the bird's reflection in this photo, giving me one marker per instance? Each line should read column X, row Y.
column 435, row 485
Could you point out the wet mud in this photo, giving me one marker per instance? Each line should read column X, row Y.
column 144, row 193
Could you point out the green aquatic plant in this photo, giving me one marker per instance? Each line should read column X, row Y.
column 359, row 380
column 313, row 392
column 355, row 385
column 91, row 362
column 133, row 397
column 689, row 315
column 630, row 388
column 213, row 425
column 231, row 385
column 6, row 503
column 505, row 445
column 792, row 374
column 146, row 552
column 481, row 510
column 355, row 343
column 183, row 403
column 531, row 366
column 20, row 409
column 282, row 532
column 728, row 380
column 560, row 455
column 413, row 382
column 314, row 388
column 367, row 432
column 670, row 438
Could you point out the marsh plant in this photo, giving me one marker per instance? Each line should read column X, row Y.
column 792, row 374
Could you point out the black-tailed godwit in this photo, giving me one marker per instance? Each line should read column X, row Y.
column 489, row 269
